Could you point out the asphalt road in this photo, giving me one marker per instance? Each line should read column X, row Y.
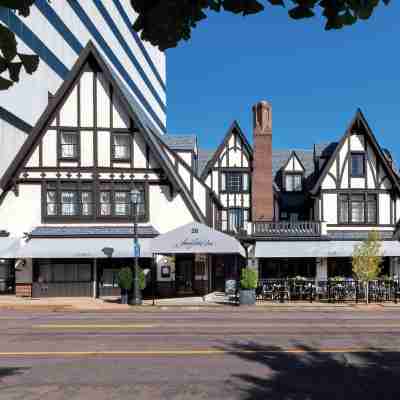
column 221, row 354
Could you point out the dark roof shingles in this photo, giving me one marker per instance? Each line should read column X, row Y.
column 92, row 231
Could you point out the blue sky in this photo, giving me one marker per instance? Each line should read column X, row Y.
column 314, row 79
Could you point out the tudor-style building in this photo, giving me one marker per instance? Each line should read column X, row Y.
column 66, row 197
column 68, row 189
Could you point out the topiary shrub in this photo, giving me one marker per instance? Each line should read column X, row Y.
column 125, row 278
column 249, row 279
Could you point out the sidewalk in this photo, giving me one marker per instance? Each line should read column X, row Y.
column 188, row 303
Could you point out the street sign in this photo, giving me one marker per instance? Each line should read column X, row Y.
column 136, row 249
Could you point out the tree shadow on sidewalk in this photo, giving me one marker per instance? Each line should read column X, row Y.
column 368, row 375
column 10, row 371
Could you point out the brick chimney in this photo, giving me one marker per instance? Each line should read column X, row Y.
column 262, row 192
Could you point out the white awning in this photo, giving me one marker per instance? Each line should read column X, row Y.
column 82, row 248
column 331, row 248
column 196, row 238
column 8, row 247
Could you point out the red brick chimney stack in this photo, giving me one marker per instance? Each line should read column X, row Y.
column 262, row 193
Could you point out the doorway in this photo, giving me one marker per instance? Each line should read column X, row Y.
column 184, row 276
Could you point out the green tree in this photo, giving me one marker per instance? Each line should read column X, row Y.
column 164, row 23
column 125, row 278
column 249, row 278
column 367, row 260
column 11, row 61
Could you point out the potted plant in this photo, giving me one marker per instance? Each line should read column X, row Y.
column 125, row 280
column 248, row 285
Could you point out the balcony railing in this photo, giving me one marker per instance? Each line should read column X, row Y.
column 286, row 229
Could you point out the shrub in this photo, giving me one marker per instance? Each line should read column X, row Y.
column 142, row 279
column 125, row 278
column 249, row 278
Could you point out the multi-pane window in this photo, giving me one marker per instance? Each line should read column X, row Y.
column 234, row 219
column 357, row 164
column 105, row 203
column 87, row 203
column 121, row 204
column 116, row 202
column 358, row 209
column 70, row 200
column 121, row 146
column 69, row 145
column 235, row 182
column 65, row 200
column 293, row 182
column 371, row 209
column 51, row 197
column 69, row 203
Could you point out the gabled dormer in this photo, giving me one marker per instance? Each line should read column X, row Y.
column 357, row 185
column 228, row 173
column 293, row 174
column 89, row 149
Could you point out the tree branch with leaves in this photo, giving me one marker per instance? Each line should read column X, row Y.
column 367, row 260
column 164, row 23
column 12, row 61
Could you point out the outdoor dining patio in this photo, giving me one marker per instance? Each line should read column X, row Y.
column 331, row 290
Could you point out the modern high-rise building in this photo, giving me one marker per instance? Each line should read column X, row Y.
column 57, row 31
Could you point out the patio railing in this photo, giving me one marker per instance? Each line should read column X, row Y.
column 348, row 290
column 286, row 228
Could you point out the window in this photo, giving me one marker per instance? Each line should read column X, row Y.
column 51, row 202
column 121, row 201
column 371, row 209
column 69, row 203
column 343, row 209
column 105, row 203
column 117, row 202
column 121, row 146
column 87, row 203
column 67, row 200
column 234, row 182
column 357, row 165
column 69, row 145
column 234, row 219
column 358, row 209
column 293, row 182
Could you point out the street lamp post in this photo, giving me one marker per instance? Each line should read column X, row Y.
column 137, row 298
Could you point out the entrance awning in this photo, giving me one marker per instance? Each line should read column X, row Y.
column 82, row 248
column 8, row 247
column 196, row 238
column 329, row 249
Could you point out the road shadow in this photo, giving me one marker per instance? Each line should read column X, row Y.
column 368, row 375
column 11, row 371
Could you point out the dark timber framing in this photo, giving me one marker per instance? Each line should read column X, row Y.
column 91, row 56
column 357, row 122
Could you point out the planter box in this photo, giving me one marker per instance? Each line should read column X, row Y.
column 247, row 296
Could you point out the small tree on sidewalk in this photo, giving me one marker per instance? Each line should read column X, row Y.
column 367, row 259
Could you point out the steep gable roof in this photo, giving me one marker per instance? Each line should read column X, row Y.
column 234, row 128
column 181, row 142
column 358, row 119
column 90, row 55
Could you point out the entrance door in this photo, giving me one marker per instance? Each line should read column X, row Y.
column 184, row 275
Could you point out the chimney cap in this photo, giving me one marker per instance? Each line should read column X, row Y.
column 263, row 103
